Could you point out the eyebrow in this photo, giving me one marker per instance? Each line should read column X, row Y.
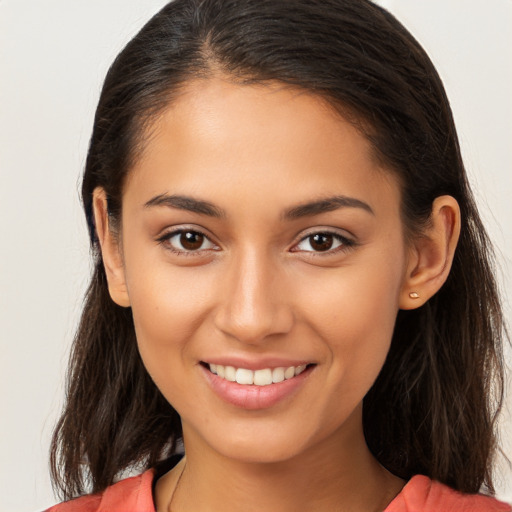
column 328, row 204
column 186, row 203
column 309, row 209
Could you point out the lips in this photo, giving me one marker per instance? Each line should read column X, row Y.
column 258, row 388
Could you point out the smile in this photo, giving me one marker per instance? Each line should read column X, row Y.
column 263, row 377
column 257, row 388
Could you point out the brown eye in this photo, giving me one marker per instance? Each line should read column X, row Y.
column 191, row 241
column 321, row 241
column 187, row 241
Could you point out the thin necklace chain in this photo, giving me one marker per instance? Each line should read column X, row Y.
column 169, row 507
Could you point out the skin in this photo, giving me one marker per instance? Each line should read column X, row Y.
column 258, row 287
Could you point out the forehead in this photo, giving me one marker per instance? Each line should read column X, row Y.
column 262, row 138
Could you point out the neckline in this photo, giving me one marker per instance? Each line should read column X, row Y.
column 168, row 464
column 412, row 482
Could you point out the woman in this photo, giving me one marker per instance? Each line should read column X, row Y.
column 291, row 275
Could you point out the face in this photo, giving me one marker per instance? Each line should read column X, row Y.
column 263, row 257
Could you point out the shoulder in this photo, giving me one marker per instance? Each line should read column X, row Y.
column 134, row 494
column 421, row 494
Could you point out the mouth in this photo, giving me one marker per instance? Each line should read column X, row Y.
column 261, row 377
column 260, row 388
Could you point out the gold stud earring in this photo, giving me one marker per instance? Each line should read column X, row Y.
column 414, row 295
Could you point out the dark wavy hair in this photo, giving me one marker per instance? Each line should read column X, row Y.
column 433, row 407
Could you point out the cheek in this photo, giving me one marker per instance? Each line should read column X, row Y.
column 167, row 301
column 354, row 314
column 168, row 306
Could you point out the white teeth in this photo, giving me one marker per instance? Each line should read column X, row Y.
column 230, row 373
column 244, row 376
column 262, row 377
column 278, row 375
column 289, row 372
column 300, row 369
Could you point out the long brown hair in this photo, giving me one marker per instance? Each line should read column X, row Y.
column 432, row 409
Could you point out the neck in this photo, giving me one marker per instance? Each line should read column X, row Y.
column 331, row 476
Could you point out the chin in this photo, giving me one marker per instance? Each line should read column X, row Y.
column 264, row 452
column 260, row 441
column 250, row 441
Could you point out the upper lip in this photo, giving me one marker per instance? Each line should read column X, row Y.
column 256, row 363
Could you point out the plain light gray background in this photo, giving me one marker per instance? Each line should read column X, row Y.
column 53, row 57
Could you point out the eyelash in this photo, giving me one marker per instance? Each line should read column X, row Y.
column 344, row 243
column 165, row 239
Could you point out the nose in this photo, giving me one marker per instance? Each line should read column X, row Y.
column 253, row 302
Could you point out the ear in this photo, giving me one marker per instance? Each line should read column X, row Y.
column 110, row 250
column 431, row 254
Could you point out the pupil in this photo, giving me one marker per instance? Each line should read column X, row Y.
column 191, row 241
column 321, row 242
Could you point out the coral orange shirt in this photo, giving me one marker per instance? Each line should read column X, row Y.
column 420, row 494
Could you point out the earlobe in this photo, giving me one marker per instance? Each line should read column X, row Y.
column 110, row 250
column 431, row 255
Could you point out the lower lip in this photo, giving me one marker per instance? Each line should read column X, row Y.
column 252, row 396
